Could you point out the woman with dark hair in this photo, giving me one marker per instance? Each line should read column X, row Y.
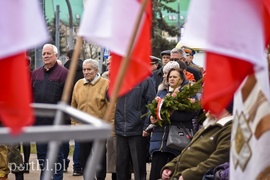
column 161, row 154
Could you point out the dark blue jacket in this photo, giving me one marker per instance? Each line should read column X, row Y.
column 48, row 87
column 130, row 108
column 158, row 77
column 159, row 136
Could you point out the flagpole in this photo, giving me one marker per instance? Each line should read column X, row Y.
column 72, row 70
column 124, row 64
column 58, row 120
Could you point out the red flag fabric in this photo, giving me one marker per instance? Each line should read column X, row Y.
column 233, row 34
column 23, row 27
column 113, row 29
column 266, row 16
column 139, row 66
column 15, row 94
column 224, row 80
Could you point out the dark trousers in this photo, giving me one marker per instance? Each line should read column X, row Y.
column 26, row 151
column 66, row 161
column 159, row 159
column 42, row 150
column 76, row 157
column 131, row 150
column 85, row 150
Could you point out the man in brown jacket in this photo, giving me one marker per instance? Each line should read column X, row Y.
column 90, row 96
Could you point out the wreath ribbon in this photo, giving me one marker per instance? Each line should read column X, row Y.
column 159, row 105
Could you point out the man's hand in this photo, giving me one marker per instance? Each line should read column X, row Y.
column 181, row 178
column 166, row 173
column 3, row 178
column 145, row 134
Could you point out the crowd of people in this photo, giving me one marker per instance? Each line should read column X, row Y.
column 131, row 143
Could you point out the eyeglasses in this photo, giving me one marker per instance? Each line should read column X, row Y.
column 176, row 59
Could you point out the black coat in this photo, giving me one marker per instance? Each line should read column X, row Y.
column 79, row 72
column 158, row 77
column 48, row 88
column 131, row 107
column 197, row 74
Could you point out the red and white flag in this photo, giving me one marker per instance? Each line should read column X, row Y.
column 22, row 27
column 234, row 35
column 110, row 24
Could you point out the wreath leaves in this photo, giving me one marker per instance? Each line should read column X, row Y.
column 177, row 101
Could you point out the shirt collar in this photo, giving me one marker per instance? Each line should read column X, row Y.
column 93, row 81
column 221, row 122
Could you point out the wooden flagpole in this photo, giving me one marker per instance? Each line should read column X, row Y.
column 124, row 63
column 72, row 70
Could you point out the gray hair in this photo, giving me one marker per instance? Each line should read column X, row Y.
column 170, row 65
column 53, row 46
column 94, row 62
column 179, row 51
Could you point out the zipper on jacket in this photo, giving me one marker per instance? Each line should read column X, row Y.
column 86, row 99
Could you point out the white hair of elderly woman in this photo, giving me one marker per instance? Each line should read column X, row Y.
column 170, row 65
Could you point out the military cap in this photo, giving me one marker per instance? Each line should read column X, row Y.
column 166, row 52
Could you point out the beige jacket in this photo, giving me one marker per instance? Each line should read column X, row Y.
column 90, row 97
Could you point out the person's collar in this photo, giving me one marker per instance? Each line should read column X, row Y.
column 162, row 86
column 221, row 122
column 224, row 120
column 172, row 89
column 50, row 69
column 93, row 81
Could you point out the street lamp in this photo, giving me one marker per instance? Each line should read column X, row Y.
column 178, row 21
column 70, row 25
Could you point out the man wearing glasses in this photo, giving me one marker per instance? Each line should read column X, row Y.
column 180, row 55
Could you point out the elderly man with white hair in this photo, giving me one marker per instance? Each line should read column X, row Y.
column 48, row 83
column 90, row 95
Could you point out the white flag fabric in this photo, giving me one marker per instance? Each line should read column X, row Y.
column 250, row 134
column 109, row 23
column 22, row 26
column 232, row 28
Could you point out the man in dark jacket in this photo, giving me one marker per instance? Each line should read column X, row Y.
column 129, row 128
column 77, row 169
column 79, row 72
column 48, row 83
column 158, row 74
